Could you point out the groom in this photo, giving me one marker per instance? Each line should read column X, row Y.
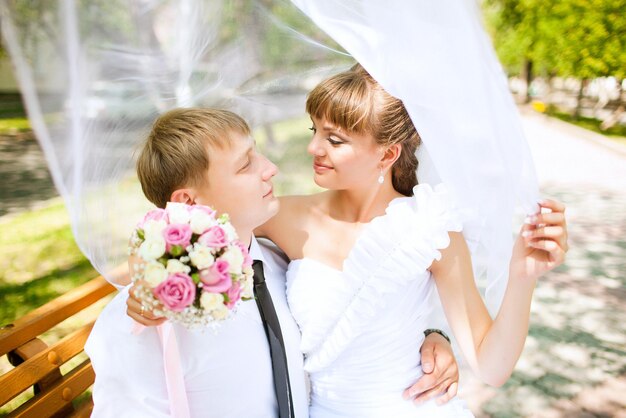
column 252, row 366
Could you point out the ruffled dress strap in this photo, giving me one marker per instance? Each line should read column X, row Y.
column 391, row 251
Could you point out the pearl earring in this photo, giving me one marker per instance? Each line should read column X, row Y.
column 381, row 178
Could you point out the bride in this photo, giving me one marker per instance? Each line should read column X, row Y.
column 367, row 253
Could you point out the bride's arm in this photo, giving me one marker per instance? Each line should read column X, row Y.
column 492, row 347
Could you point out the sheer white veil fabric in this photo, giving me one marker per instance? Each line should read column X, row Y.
column 94, row 75
column 437, row 58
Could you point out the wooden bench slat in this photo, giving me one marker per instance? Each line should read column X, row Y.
column 42, row 319
column 40, row 364
column 61, row 395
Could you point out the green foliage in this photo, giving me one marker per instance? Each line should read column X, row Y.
column 10, row 126
column 616, row 132
column 274, row 30
column 40, row 260
column 568, row 38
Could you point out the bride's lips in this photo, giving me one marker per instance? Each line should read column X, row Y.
column 270, row 193
column 320, row 168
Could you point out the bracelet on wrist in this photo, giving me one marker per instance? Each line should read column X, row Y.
column 437, row 331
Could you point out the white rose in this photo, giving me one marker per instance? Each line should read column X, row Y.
column 235, row 259
column 154, row 273
column 248, row 272
column 221, row 312
column 247, row 291
column 231, row 234
column 151, row 249
column 200, row 221
column 211, row 301
column 153, row 229
column 177, row 213
column 175, row 266
column 201, row 257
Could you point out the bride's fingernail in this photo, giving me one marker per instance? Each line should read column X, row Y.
column 526, row 233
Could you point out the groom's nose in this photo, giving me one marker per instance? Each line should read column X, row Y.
column 269, row 169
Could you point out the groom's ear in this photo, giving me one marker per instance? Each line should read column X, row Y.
column 183, row 196
column 391, row 155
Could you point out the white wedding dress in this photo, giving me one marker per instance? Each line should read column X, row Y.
column 362, row 328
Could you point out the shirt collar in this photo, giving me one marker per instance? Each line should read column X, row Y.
column 257, row 254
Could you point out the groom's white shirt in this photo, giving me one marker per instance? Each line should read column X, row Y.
column 227, row 373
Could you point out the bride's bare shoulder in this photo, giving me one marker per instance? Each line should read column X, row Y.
column 301, row 205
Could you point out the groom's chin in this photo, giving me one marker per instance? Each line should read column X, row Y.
column 271, row 210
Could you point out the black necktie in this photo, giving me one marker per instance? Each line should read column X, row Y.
column 275, row 341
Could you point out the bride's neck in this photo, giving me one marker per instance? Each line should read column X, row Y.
column 362, row 205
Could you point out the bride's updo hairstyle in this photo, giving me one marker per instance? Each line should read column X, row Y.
column 355, row 102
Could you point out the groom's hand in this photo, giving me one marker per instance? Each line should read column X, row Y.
column 441, row 372
column 141, row 314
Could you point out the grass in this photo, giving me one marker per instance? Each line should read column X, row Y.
column 14, row 125
column 13, row 117
column 40, row 260
column 616, row 133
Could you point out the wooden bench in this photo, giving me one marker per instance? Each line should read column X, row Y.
column 37, row 365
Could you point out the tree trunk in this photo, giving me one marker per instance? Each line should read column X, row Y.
column 528, row 77
column 550, row 93
column 579, row 98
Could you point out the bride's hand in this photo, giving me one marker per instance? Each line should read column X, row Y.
column 542, row 242
column 140, row 314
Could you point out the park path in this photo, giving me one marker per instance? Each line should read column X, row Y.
column 574, row 362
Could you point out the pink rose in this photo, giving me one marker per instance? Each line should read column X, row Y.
column 247, row 260
column 214, row 237
column 177, row 234
column 176, row 292
column 216, row 279
column 234, row 294
column 154, row 215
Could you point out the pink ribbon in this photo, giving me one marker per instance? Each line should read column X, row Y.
column 174, row 378
column 179, row 405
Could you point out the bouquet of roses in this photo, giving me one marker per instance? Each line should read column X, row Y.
column 192, row 269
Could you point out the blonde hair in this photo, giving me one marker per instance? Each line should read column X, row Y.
column 176, row 151
column 355, row 102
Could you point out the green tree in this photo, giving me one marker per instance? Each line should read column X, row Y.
column 568, row 38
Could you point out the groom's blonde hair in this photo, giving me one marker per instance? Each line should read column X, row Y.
column 176, row 152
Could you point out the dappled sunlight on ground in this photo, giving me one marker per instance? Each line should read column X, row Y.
column 574, row 361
